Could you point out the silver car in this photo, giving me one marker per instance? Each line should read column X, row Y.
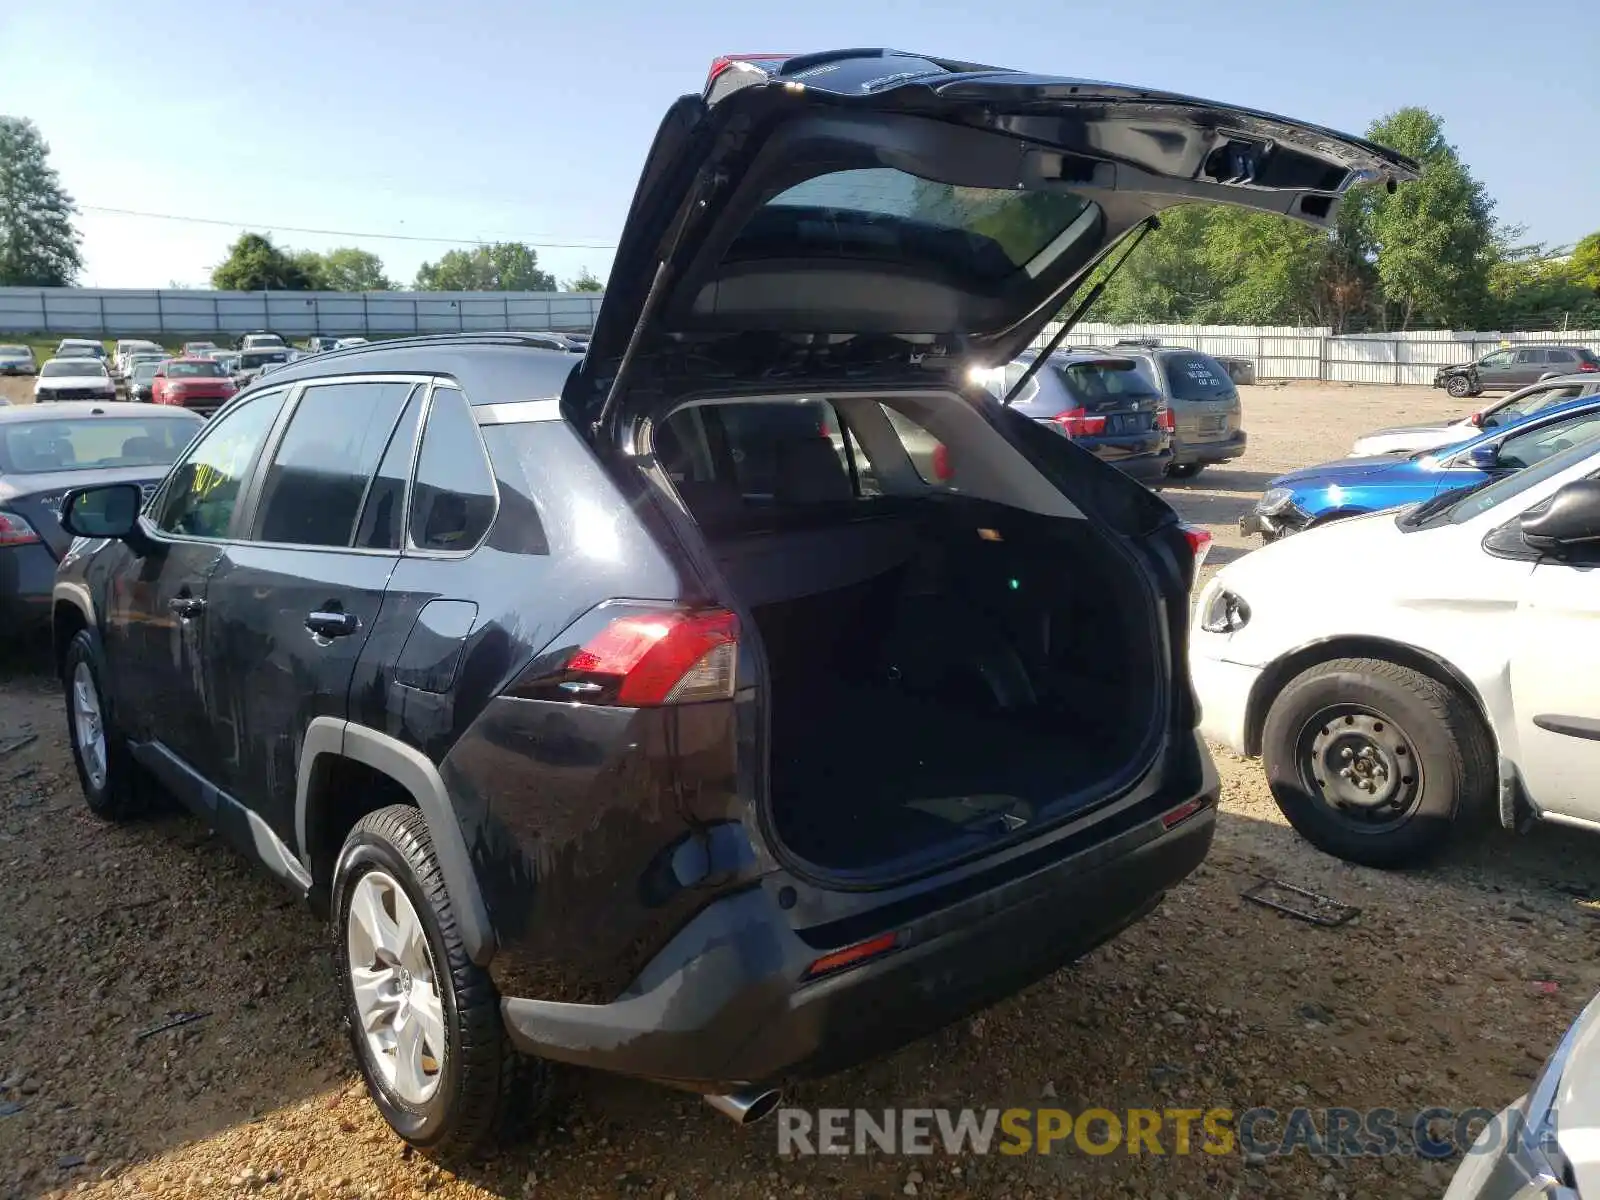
column 1544, row 1145
column 1412, row 439
column 17, row 359
column 1208, row 417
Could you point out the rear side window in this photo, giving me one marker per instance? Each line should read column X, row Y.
column 319, row 473
column 453, row 500
column 383, row 518
column 1197, row 377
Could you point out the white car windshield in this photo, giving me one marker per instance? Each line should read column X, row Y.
column 71, row 366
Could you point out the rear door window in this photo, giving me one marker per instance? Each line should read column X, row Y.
column 453, row 500
column 322, row 466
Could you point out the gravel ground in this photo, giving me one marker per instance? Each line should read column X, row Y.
column 1449, row 989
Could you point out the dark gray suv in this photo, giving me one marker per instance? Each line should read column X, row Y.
column 1515, row 367
column 649, row 709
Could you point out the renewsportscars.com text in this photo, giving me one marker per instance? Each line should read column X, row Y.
column 1337, row 1132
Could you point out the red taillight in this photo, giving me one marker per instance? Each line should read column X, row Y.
column 724, row 62
column 942, row 471
column 14, row 531
column 1076, row 422
column 1165, row 420
column 1199, row 543
column 670, row 658
column 851, row 955
column 1589, row 366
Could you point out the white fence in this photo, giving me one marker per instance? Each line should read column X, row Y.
column 119, row 313
column 1286, row 352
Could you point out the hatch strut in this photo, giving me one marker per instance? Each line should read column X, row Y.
column 1145, row 226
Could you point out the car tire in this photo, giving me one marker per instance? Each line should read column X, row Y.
column 480, row 1090
column 1185, row 470
column 1459, row 386
column 107, row 773
column 1429, row 762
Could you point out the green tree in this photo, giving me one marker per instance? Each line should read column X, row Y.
column 1434, row 240
column 1167, row 278
column 347, row 269
column 585, row 281
column 1586, row 263
column 496, row 267
column 255, row 264
column 38, row 243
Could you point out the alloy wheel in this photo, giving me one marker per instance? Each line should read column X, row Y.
column 88, row 725
column 396, row 988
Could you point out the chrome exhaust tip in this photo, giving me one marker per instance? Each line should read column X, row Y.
column 746, row 1107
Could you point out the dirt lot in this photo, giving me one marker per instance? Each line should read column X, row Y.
column 1449, row 989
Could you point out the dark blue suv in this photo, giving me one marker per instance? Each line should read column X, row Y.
column 1102, row 402
column 651, row 710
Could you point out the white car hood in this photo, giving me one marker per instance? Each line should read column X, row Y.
column 1374, row 545
column 72, row 381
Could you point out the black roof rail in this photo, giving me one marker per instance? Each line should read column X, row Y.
column 532, row 341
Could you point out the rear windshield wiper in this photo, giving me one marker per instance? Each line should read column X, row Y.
column 1145, row 226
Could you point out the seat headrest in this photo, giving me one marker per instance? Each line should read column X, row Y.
column 809, row 472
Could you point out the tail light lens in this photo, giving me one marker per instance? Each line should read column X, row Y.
column 15, row 531
column 1076, row 422
column 942, row 470
column 640, row 658
column 1589, row 366
column 725, row 62
column 1165, row 419
column 1199, row 543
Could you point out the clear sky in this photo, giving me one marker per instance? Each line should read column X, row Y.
column 528, row 120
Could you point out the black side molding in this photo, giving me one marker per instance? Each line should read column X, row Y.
column 1587, row 728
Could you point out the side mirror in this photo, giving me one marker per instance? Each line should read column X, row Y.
column 108, row 511
column 1485, row 457
column 1571, row 517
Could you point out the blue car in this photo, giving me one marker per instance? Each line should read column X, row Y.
column 1349, row 487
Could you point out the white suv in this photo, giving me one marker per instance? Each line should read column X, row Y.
column 1400, row 673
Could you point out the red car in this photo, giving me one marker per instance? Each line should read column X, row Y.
column 198, row 384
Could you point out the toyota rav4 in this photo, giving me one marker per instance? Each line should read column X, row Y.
column 662, row 710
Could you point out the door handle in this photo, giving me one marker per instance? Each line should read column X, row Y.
column 332, row 624
column 187, row 606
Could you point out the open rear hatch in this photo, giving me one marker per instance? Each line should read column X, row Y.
column 968, row 629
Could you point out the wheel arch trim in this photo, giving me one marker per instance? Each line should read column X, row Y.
column 414, row 772
column 1276, row 675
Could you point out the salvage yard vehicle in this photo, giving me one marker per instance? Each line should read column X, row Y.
column 620, row 717
column 17, row 359
column 1449, row 676
column 1352, row 487
column 1515, row 367
column 82, row 348
column 1100, row 401
column 46, row 451
column 1208, row 418
column 1542, row 1147
column 1412, row 439
column 83, row 378
column 197, row 384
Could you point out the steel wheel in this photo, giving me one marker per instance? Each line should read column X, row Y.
column 1361, row 765
column 88, row 726
column 396, row 988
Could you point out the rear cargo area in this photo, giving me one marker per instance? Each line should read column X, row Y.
column 943, row 670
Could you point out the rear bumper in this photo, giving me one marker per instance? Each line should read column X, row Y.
column 27, row 575
column 726, row 1002
column 1148, row 469
column 1184, row 453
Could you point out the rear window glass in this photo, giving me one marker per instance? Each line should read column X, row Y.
column 193, row 370
column 39, row 447
column 262, row 358
column 1196, row 377
column 1099, row 381
column 885, row 215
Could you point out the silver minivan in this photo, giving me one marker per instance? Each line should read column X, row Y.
column 1208, row 418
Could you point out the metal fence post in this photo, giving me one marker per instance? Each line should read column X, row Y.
column 416, row 325
column 366, row 321
column 161, row 314
column 216, row 313
column 44, row 312
column 505, row 308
